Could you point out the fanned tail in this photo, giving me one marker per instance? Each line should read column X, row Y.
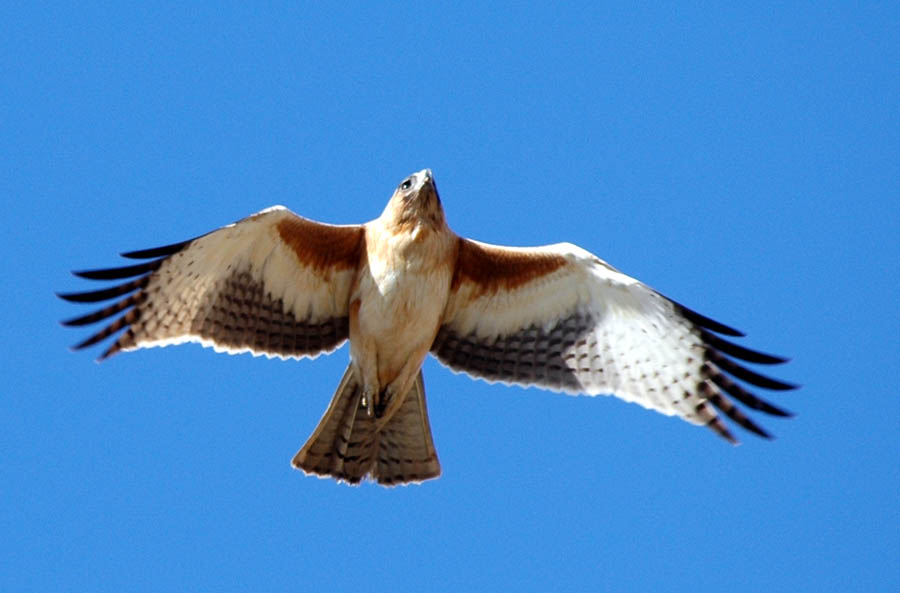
column 349, row 445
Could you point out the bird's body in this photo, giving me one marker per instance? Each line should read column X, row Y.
column 399, row 296
column 404, row 285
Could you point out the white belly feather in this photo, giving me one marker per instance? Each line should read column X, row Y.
column 400, row 303
column 402, row 292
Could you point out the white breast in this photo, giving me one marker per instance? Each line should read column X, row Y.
column 404, row 289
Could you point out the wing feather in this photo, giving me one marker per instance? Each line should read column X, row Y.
column 155, row 252
column 560, row 318
column 122, row 272
column 273, row 283
column 95, row 296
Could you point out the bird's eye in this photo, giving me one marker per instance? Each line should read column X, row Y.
column 407, row 183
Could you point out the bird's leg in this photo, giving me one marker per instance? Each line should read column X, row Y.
column 392, row 398
column 367, row 373
column 367, row 401
column 381, row 402
column 389, row 399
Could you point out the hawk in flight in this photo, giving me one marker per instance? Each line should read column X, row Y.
column 404, row 285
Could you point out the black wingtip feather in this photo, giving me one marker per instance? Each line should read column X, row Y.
column 104, row 294
column 705, row 322
column 155, row 252
column 122, row 272
column 761, row 432
column 79, row 321
column 90, row 341
column 742, row 395
column 103, row 313
column 121, row 322
column 757, row 429
column 744, row 374
column 740, row 352
column 724, row 405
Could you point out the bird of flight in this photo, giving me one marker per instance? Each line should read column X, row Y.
column 403, row 286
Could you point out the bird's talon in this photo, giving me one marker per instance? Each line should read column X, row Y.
column 381, row 404
column 366, row 402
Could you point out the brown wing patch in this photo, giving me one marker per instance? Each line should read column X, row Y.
column 492, row 268
column 322, row 246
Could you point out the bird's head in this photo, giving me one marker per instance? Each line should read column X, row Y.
column 416, row 202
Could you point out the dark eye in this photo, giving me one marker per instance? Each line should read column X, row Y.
column 407, row 183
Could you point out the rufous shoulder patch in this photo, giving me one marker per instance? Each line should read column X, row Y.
column 322, row 246
column 491, row 268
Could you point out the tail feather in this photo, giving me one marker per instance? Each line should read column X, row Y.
column 327, row 450
column 406, row 451
column 354, row 442
column 349, row 445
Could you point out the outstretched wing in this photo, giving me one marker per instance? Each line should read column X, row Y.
column 560, row 318
column 273, row 283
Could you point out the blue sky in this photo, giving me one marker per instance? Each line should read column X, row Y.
column 742, row 161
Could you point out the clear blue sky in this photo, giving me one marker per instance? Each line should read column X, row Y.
column 744, row 162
